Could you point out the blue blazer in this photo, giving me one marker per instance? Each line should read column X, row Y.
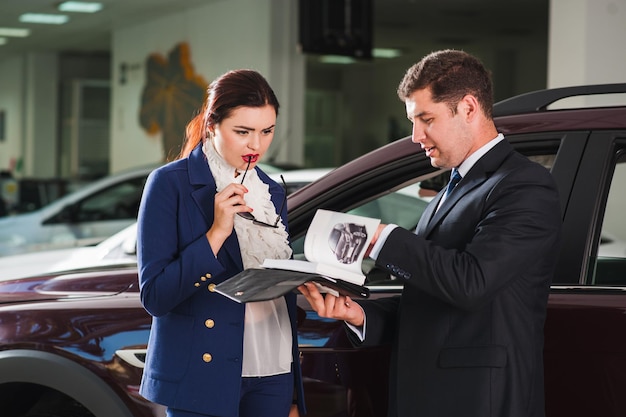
column 467, row 332
column 195, row 348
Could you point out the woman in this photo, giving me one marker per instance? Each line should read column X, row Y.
column 203, row 218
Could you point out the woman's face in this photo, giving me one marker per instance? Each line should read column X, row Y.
column 246, row 133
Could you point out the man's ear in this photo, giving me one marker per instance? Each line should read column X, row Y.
column 469, row 107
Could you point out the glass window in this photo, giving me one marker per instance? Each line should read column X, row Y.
column 610, row 268
column 546, row 160
column 119, row 202
column 403, row 207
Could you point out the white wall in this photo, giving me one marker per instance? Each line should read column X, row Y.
column 222, row 35
column 41, row 100
column 587, row 47
column 586, row 42
column 12, row 103
column 29, row 98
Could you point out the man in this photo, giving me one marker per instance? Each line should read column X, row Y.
column 467, row 332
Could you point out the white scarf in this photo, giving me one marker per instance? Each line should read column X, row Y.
column 256, row 242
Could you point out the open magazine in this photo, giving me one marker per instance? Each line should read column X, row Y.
column 334, row 248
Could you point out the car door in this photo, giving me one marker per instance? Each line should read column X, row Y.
column 585, row 345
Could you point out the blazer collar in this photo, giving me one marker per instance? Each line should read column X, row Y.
column 203, row 183
column 478, row 174
column 199, row 171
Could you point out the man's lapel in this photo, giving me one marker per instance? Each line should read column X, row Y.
column 428, row 214
column 476, row 176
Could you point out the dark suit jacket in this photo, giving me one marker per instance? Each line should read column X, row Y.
column 196, row 341
column 467, row 331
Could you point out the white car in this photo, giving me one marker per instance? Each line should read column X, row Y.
column 84, row 217
column 121, row 248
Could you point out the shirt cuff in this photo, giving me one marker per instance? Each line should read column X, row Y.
column 359, row 331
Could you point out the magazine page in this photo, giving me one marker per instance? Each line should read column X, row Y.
column 339, row 239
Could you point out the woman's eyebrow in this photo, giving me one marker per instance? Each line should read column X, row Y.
column 251, row 128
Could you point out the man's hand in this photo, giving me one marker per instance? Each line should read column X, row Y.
column 379, row 229
column 340, row 308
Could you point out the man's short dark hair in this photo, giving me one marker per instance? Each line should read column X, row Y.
column 450, row 75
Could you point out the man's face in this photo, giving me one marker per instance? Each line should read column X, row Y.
column 444, row 136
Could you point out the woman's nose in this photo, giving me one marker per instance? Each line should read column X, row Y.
column 254, row 141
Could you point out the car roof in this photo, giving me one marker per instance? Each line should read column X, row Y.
column 541, row 100
column 92, row 188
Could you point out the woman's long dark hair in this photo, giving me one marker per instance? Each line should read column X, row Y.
column 233, row 89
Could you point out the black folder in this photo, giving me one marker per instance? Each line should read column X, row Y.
column 261, row 284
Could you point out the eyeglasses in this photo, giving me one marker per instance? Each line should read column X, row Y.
column 249, row 216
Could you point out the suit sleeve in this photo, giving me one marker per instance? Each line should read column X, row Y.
column 380, row 321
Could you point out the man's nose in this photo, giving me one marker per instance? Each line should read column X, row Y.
column 417, row 133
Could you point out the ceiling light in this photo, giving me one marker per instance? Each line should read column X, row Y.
column 15, row 32
column 337, row 59
column 3, row 41
column 51, row 19
column 386, row 53
column 80, row 6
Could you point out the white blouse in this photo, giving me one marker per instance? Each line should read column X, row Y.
column 267, row 339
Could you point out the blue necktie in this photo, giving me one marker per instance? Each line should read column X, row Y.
column 455, row 177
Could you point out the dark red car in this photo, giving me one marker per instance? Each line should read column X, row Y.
column 73, row 344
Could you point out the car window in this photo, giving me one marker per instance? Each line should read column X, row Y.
column 119, row 202
column 546, row 160
column 404, row 207
column 610, row 263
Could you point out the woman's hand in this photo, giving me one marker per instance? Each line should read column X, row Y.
column 228, row 202
column 330, row 306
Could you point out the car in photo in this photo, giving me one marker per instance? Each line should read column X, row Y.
column 347, row 240
column 73, row 343
column 84, row 217
column 121, row 248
